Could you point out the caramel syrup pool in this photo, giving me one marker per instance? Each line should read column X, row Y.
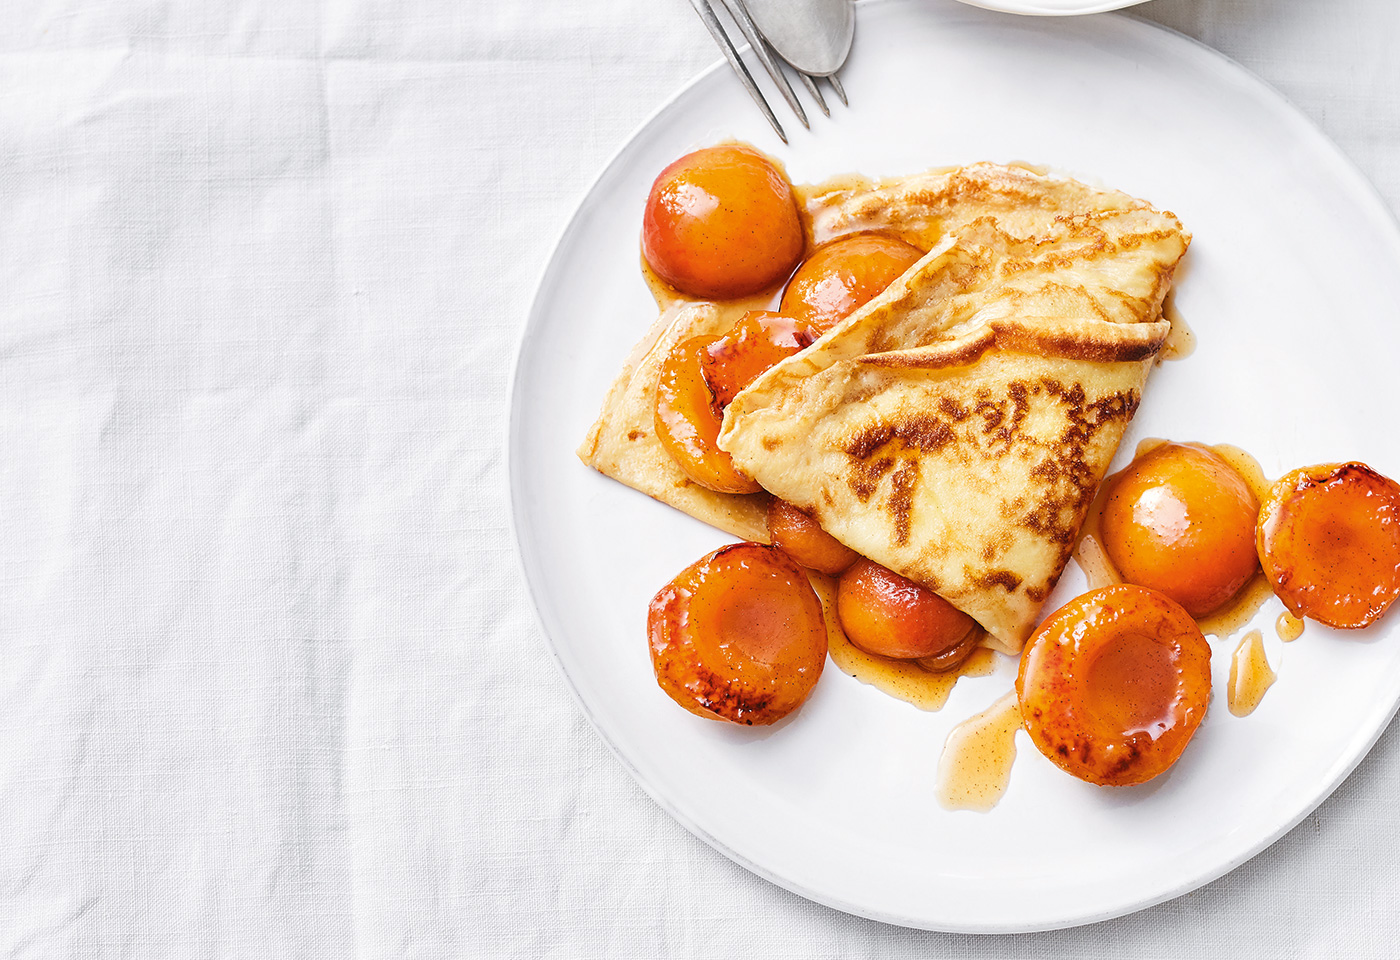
column 1250, row 675
column 1181, row 341
column 977, row 756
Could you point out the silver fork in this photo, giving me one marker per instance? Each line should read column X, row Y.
column 766, row 56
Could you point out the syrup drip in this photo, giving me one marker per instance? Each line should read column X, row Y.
column 1289, row 627
column 1181, row 341
column 977, row 756
column 1089, row 552
column 666, row 296
column 903, row 679
column 1228, row 620
column 1250, row 674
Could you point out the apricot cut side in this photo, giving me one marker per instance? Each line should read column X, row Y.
column 794, row 532
column 738, row 635
column 1329, row 541
column 891, row 616
column 1113, row 685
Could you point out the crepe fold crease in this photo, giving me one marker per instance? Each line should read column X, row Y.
column 955, row 429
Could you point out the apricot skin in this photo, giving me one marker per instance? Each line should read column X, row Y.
column 688, row 420
column 722, row 223
column 891, row 616
column 758, row 341
column 738, row 635
column 794, row 532
column 698, row 379
column 845, row 274
column 952, row 657
column 1113, row 685
column 1181, row 520
column 1329, row 541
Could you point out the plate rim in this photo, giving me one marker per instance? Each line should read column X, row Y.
column 1029, row 8
column 1346, row 762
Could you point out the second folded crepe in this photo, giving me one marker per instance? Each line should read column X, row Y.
column 956, row 428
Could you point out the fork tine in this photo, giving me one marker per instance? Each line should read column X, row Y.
column 707, row 14
column 814, row 90
column 836, row 85
column 740, row 13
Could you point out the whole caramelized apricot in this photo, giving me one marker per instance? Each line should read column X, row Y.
column 1114, row 684
column 794, row 532
column 721, row 223
column 1181, row 520
column 697, row 380
column 738, row 635
column 1329, row 541
column 891, row 616
column 843, row 275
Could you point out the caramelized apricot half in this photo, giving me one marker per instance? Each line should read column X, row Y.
column 892, row 616
column 794, row 532
column 1329, row 541
column 697, row 380
column 1114, row 684
column 721, row 223
column 844, row 275
column 1181, row 520
column 738, row 635
column 759, row 340
column 688, row 419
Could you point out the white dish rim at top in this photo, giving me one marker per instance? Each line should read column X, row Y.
column 1357, row 748
column 1042, row 8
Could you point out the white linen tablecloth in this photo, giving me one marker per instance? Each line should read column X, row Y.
column 269, row 681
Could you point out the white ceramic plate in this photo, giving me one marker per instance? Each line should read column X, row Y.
column 1052, row 8
column 1290, row 286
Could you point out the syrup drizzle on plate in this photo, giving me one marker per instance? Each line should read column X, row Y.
column 1181, row 341
column 1250, row 674
column 977, row 757
column 1288, row 627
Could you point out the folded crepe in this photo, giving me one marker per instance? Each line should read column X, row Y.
column 987, row 388
column 956, row 427
column 622, row 443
